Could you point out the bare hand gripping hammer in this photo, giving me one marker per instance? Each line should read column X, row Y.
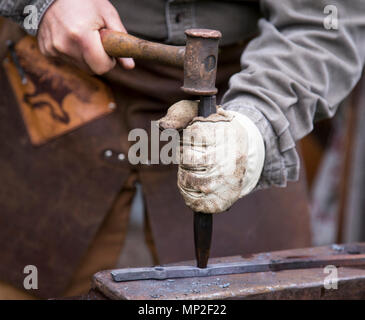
column 199, row 58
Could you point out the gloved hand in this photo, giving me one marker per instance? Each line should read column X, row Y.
column 221, row 156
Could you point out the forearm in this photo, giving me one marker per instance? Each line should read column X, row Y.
column 15, row 10
column 295, row 72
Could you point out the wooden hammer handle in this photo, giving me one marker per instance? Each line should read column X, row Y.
column 123, row 45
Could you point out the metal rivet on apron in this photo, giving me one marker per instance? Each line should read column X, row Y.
column 108, row 153
column 121, row 156
column 112, row 105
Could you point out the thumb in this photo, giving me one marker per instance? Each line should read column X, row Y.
column 179, row 115
column 113, row 22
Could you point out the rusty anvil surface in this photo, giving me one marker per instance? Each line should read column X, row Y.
column 285, row 284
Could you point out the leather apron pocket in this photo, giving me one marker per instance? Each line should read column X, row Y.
column 54, row 98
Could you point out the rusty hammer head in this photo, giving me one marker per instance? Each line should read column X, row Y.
column 200, row 61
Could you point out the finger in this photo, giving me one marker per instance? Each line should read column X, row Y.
column 94, row 54
column 45, row 43
column 195, row 159
column 67, row 50
column 114, row 23
column 179, row 115
column 41, row 46
column 41, row 38
column 196, row 183
column 127, row 63
column 71, row 53
column 75, row 63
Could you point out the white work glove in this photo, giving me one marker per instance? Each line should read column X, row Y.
column 221, row 156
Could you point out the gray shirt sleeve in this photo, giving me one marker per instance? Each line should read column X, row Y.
column 295, row 72
column 14, row 9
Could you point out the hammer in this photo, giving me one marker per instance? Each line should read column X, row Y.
column 199, row 60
